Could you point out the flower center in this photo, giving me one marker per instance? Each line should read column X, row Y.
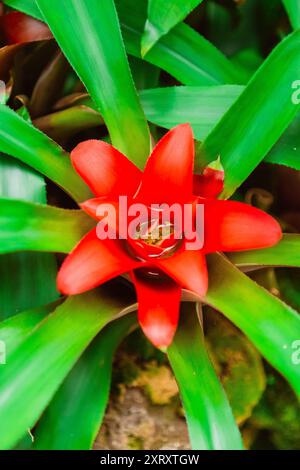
column 155, row 239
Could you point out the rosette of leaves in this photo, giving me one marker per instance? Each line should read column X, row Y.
column 89, row 80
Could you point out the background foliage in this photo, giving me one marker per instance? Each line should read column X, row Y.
column 125, row 71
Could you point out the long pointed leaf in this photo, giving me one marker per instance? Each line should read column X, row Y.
column 287, row 150
column 183, row 53
column 293, row 10
column 26, row 6
column 257, row 119
column 39, row 365
column 270, row 324
column 202, row 107
column 209, row 417
column 163, row 15
column 167, row 107
column 73, row 418
column 288, row 282
column 21, row 140
column 31, row 227
column 18, row 290
column 285, row 253
column 14, row 330
column 89, row 35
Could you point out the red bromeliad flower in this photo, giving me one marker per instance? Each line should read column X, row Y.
column 159, row 268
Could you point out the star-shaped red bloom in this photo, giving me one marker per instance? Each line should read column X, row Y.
column 160, row 270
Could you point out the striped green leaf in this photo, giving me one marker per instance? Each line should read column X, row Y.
column 285, row 253
column 33, row 227
column 162, row 16
column 38, row 366
column 183, row 53
column 90, row 37
column 293, row 10
column 258, row 117
column 270, row 324
column 210, row 420
column 21, row 140
column 74, row 416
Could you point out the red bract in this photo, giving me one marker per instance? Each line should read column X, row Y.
column 158, row 278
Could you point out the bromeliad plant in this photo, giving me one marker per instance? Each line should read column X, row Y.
column 54, row 345
column 161, row 264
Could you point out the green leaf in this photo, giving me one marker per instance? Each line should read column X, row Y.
column 237, row 362
column 14, row 330
column 210, row 421
column 270, row 324
column 167, row 107
column 27, row 281
column 33, row 227
column 183, row 53
column 18, row 290
column 202, row 107
column 24, row 113
column 26, row 6
column 258, row 117
column 89, row 35
column 73, row 418
column 145, row 75
column 21, row 140
column 39, row 365
column 163, row 15
column 293, row 10
column 285, row 253
column 289, row 281
column 248, row 60
column 287, row 150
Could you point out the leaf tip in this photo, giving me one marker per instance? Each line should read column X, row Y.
column 150, row 36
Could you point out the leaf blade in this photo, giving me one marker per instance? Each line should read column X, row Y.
column 38, row 151
column 33, row 227
column 285, row 253
column 286, row 150
column 73, row 424
column 19, row 181
column 25, row 6
column 293, row 10
column 210, row 421
column 90, row 36
column 270, row 324
column 38, row 366
column 14, row 330
column 162, row 17
column 246, row 133
column 202, row 107
column 183, row 52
